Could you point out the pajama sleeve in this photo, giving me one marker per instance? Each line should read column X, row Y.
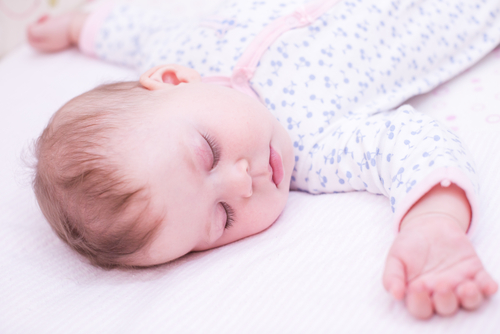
column 401, row 154
column 129, row 35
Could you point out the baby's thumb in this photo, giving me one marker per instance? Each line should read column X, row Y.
column 394, row 279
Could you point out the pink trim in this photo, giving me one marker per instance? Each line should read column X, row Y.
column 246, row 65
column 451, row 174
column 91, row 28
column 301, row 17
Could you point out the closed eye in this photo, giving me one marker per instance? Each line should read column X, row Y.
column 229, row 215
column 215, row 149
column 216, row 157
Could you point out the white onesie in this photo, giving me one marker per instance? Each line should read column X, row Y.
column 333, row 80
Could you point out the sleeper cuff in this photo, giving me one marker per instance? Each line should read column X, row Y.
column 91, row 28
column 445, row 175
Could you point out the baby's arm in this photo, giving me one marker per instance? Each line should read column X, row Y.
column 405, row 155
column 131, row 36
column 51, row 34
column 432, row 261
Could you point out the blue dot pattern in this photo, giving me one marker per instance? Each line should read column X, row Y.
column 337, row 85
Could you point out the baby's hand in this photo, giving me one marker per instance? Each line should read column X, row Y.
column 51, row 34
column 433, row 264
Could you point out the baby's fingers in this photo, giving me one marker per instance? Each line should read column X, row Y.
column 394, row 278
column 445, row 301
column 469, row 295
column 34, row 34
column 472, row 293
column 50, row 34
column 486, row 284
column 419, row 302
column 38, row 36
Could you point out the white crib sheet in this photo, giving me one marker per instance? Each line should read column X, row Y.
column 316, row 270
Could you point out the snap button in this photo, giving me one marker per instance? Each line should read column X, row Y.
column 239, row 78
column 445, row 183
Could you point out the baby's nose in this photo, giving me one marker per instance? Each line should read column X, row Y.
column 239, row 181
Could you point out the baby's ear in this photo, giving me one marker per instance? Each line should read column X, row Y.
column 167, row 76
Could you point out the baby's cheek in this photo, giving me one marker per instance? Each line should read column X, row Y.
column 272, row 209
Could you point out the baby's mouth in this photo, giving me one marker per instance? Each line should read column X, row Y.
column 276, row 166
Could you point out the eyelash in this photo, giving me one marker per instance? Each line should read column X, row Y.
column 215, row 149
column 216, row 154
column 229, row 215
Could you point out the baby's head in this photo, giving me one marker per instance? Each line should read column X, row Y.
column 141, row 173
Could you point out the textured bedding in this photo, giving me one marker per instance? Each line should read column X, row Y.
column 318, row 269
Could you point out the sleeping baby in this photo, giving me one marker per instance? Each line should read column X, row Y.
column 264, row 97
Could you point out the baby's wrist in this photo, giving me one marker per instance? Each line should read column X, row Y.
column 77, row 22
column 433, row 218
column 447, row 201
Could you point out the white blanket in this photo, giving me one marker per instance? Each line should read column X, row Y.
column 316, row 270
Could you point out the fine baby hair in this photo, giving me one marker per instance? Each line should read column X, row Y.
column 81, row 184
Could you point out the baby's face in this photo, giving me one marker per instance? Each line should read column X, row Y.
column 218, row 165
